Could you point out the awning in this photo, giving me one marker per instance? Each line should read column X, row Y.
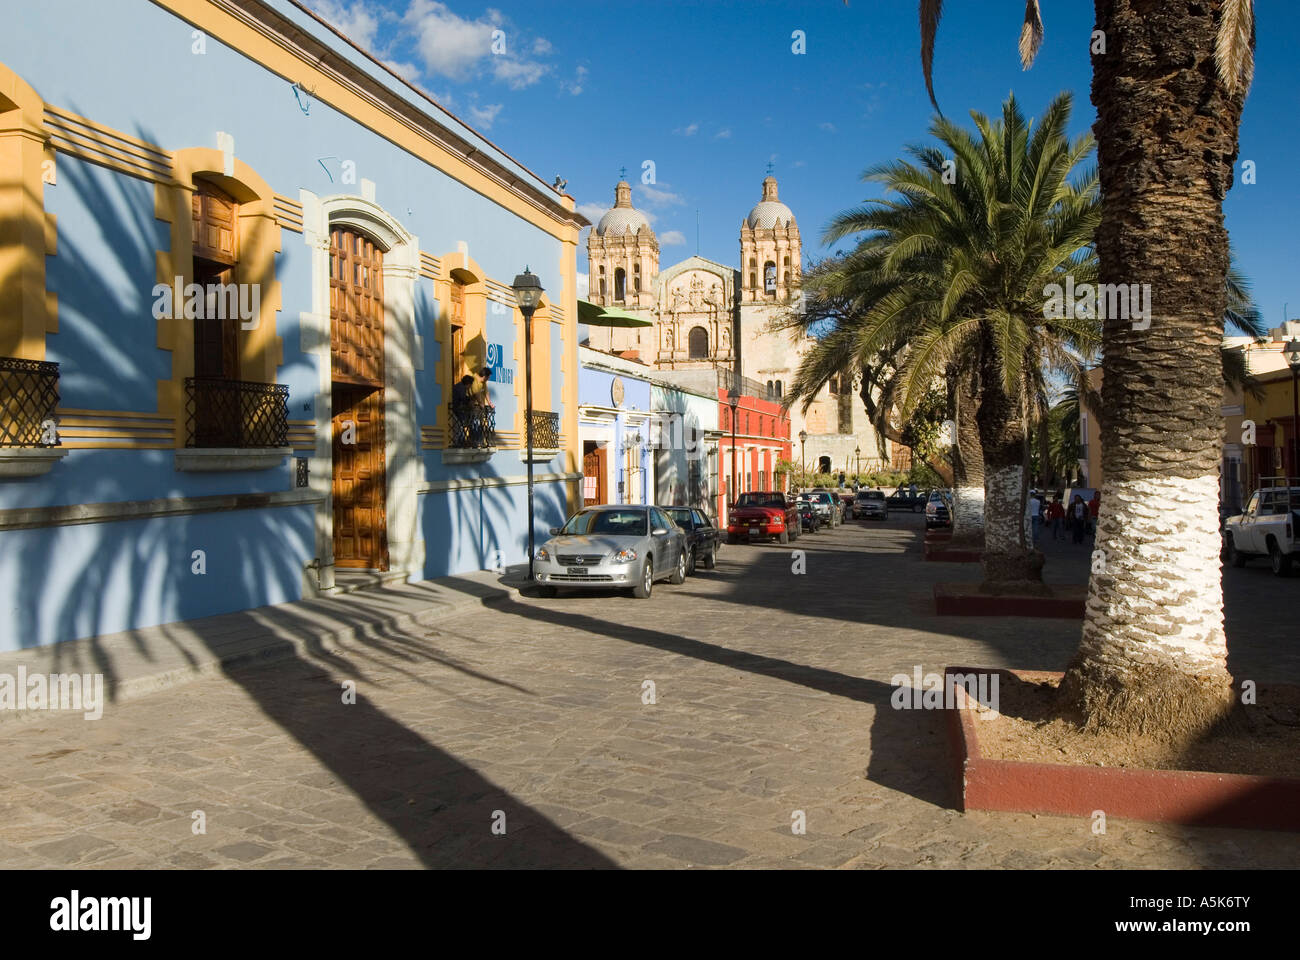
column 595, row 316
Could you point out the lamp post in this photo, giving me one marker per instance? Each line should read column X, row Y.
column 857, row 456
column 733, row 400
column 528, row 294
column 1292, row 353
column 803, row 457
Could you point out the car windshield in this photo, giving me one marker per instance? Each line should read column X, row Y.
column 871, row 495
column 761, row 500
column 680, row 517
column 619, row 523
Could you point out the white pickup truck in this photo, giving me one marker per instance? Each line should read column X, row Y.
column 1269, row 527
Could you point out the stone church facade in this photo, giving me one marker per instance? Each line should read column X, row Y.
column 711, row 315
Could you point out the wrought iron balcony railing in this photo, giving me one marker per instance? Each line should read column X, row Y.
column 235, row 413
column 546, row 430
column 29, row 396
column 471, row 426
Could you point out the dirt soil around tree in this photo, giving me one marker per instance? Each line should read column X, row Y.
column 1028, row 727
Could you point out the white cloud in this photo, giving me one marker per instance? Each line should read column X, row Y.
column 656, row 197
column 518, row 74
column 407, row 71
column 592, row 211
column 687, row 131
column 579, row 77
column 672, row 238
column 799, row 163
column 542, row 46
column 828, row 127
column 449, row 45
column 484, row 117
column 584, row 286
column 354, row 20
column 723, row 134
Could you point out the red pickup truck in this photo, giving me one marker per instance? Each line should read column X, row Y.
column 763, row 514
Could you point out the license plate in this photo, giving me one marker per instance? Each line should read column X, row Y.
column 578, row 571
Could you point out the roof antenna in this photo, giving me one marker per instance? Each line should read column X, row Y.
column 697, row 233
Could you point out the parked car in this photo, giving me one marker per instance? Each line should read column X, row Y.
column 832, row 502
column 612, row 546
column 873, row 503
column 1268, row 527
column 938, row 510
column 766, row 513
column 824, row 503
column 808, row 518
column 903, row 499
column 701, row 536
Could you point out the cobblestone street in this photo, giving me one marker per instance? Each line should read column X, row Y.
column 771, row 697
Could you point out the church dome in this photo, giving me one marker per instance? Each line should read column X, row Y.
column 623, row 218
column 770, row 211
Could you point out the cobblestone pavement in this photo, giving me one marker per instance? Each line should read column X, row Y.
column 771, row 697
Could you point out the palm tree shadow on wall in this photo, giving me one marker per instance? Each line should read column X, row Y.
column 440, row 808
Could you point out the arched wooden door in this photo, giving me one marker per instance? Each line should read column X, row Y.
column 357, row 375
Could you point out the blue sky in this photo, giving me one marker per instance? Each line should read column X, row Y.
column 711, row 92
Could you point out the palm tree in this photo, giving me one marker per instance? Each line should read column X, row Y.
column 1169, row 90
column 949, row 281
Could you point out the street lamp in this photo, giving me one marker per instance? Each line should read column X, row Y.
column 733, row 400
column 803, row 457
column 528, row 294
column 857, row 456
column 1292, row 353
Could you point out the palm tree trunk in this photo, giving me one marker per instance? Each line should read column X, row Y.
column 1153, row 658
column 967, row 464
column 1011, row 565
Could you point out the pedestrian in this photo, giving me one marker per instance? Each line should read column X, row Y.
column 481, row 425
column 1078, row 518
column 461, row 410
column 1094, row 505
column 1034, row 511
column 1056, row 515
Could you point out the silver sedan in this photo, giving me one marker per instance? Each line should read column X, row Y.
column 612, row 546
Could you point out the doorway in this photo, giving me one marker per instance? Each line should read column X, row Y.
column 357, row 381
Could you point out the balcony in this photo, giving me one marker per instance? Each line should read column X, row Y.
column 471, row 433
column 29, row 399
column 234, row 425
column 546, row 437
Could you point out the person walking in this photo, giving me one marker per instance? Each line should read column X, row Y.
column 1078, row 518
column 1056, row 516
column 1034, row 511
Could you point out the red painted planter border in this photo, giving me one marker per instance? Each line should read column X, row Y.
column 965, row 600
column 940, row 552
column 1188, row 797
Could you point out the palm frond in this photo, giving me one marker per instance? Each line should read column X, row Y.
column 931, row 11
column 1234, row 47
column 1031, row 34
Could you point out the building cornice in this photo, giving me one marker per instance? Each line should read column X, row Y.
column 316, row 55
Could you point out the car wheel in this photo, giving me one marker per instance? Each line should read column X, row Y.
column 679, row 571
column 690, row 563
column 1279, row 561
column 547, row 592
column 1235, row 558
column 642, row 590
column 711, row 560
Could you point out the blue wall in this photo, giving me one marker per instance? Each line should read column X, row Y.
column 116, row 64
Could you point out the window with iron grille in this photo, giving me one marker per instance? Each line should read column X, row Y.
column 29, row 397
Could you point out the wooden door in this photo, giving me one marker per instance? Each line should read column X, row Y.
column 356, row 309
column 593, row 469
column 357, row 372
column 360, row 515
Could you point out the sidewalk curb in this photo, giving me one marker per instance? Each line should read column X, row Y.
column 267, row 646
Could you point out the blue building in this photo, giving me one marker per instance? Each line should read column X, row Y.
column 243, row 266
column 616, row 429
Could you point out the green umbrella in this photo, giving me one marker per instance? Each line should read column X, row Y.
column 595, row 316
